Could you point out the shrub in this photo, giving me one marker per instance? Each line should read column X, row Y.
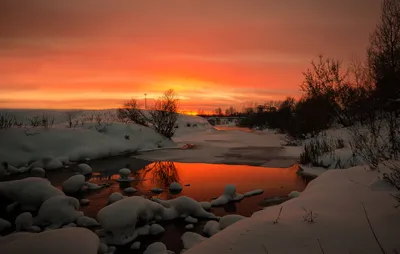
column 7, row 121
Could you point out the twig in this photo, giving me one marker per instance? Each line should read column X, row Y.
column 372, row 230
column 265, row 249
column 279, row 215
column 320, row 246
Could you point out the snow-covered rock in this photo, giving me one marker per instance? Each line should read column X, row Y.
column 190, row 239
column 70, row 225
column 191, row 220
column 85, row 221
column 156, row 248
column 53, row 164
column 23, row 221
column 84, row 201
column 211, row 228
column 294, row 194
column 206, row 205
column 175, row 187
column 85, row 169
column 111, row 249
column 62, row 241
column 130, row 190
column 23, row 169
column 73, row 184
column 228, row 196
column 254, row 192
column 229, row 219
column 58, row 211
column 156, row 229
column 156, row 190
column 92, row 186
column 4, row 224
column 30, row 192
column 103, row 248
column 124, row 173
column 189, row 226
column 135, row 246
column 38, row 172
column 10, row 169
column 114, row 197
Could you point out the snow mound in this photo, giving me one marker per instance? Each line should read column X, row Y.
column 84, row 201
column 23, row 222
column 70, row 225
column 124, row 173
column 184, row 206
column 175, row 187
column 190, row 239
column 103, row 248
column 228, row 196
column 156, row 190
column 30, row 192
column 85, row 169
column 62, row 241
column 130, row 190
column 294, row 194
column 189, row 226
column 119, row 219
column 4, row 224
column 254, row 192
column 156, row 248
column 85, row 221
column 191, row 220
column 58, row 211
column 135, row 246
column 53, row 164
column 92, row 186
column 206, row 205
column 211, row 228
column 38, row 172
column 229, row 219
column 114, row 197
column 73, row 184
column 156, row 229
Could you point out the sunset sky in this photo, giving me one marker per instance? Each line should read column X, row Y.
column 214, row 53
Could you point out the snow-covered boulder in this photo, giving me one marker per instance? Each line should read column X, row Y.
column 191, row 220
column 175, row 187
column 38, row 172
column 294, row 194
column 29, row 193
column 211, row 228
column 206, row 205
column 10, row 169
column 189, row 226
column 53, row 164
column 156, row 229
column 4, row 224
column 190, row 239
column 229, row 219
column 124, row 173
column 62, row 241
column 23, row 222
column 135, row 246
column 23, row 169
column 130, row 190
column 92, row 186
column 58, row 211
column 85, row 221
column 228, row 196
column 73, row 184
column 84, row 201
column 254, row 192
column 84, row 169
column 119, row 219
column 114, row 197
column 156, row 248
column 184, row 206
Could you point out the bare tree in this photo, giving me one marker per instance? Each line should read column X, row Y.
column 71, row 115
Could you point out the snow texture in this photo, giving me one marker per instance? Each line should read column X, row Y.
column 70, row 225
column 53, row 164
column 254, row 192
column 74, row 184
column 23, row 222
column 85, row 169
column 191, row 220
column 30, row 192
column 135, row 246
column 229, row 219
column 58, row 211
column 85, row 221
column 228, row 196
column 206, row 205
column 38, row 172
column 92, row 186
column 156, row 229
column 62, row 241
column 156, row 248
column 294, row 194
column 211, row 228
column 114, row 197
column 191, row 239
column 189, row 226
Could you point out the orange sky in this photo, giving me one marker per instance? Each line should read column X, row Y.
column 96, row 53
